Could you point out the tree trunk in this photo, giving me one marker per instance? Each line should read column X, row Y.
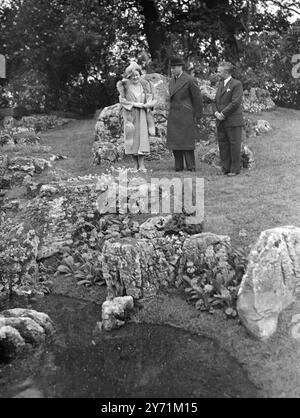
column 154, row 30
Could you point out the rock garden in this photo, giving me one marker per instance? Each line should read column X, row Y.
column 55, row 239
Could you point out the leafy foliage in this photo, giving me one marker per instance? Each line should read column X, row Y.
column 86, row 269
column 212, row 288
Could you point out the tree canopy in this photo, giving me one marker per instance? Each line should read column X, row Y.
column 72, row 45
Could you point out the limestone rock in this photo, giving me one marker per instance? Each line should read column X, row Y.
column 41, row 123
column 11, row 343
column 212, row 157
column 20, row 328
column 18, row 253
column 32, row 188
column 31, row 331
column 109, row 124
column 40, row 318
column 206, row 251
column 161, row 86
column 208, row 92
column 154, row 227
column 3, row 164
column 9, row 122
column 23, row 164
column 257, row 100
column 40, row 165
column 247, row 158
column 158, row 145
column 5, row 182
column 105, row 152
column 263, row 126
column 48, row 190
column 114, row 312
column 139, row 267
column 25, row 136
column 272, row 280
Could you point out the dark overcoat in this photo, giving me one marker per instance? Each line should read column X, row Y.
column 185, row 105
column 229, row 102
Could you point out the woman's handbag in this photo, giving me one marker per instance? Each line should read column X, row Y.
column 150, row 122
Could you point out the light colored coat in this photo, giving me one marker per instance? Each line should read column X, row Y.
column 138, row 123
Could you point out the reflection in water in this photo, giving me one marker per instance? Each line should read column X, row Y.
column 136, row 361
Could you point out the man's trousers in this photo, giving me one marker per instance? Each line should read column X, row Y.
column 230, row 140
column 188, row 156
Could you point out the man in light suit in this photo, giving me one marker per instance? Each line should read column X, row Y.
column 185, row 108
column 229, row 120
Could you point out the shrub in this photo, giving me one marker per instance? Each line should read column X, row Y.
column 27, row 90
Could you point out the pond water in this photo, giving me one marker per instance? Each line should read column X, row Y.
column 138, row 361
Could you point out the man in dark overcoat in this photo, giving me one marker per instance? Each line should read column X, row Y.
column 185, row 109
column 229, row 120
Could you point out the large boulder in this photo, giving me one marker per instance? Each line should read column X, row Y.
column 11, row 343
column 263, row 126
column 257, row 100
column 212, row 157
column 115, row 312
column 40, row 318
column 204, row 252
column 140, row 267
column 20, row 328
column 109, row 125
column 18, row 253
column 272, row 280
column 3, row 164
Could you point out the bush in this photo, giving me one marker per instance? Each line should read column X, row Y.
column 85, row 98
column 266, row 62
column 28, row 90
column 4, row 101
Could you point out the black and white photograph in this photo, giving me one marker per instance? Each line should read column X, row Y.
column 149, row 202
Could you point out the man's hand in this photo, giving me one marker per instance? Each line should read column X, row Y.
column 219, row 116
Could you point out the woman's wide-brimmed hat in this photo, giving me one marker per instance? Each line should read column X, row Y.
column 134, row 66
column 176, row 61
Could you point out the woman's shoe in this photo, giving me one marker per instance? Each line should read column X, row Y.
column 143, row 170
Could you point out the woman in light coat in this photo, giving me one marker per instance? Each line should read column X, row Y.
column 137, row 100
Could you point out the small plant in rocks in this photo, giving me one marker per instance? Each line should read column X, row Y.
column 85, row 267
column 216, row 288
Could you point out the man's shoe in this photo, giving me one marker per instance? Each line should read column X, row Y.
column 232, row 174
column 178, row 169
